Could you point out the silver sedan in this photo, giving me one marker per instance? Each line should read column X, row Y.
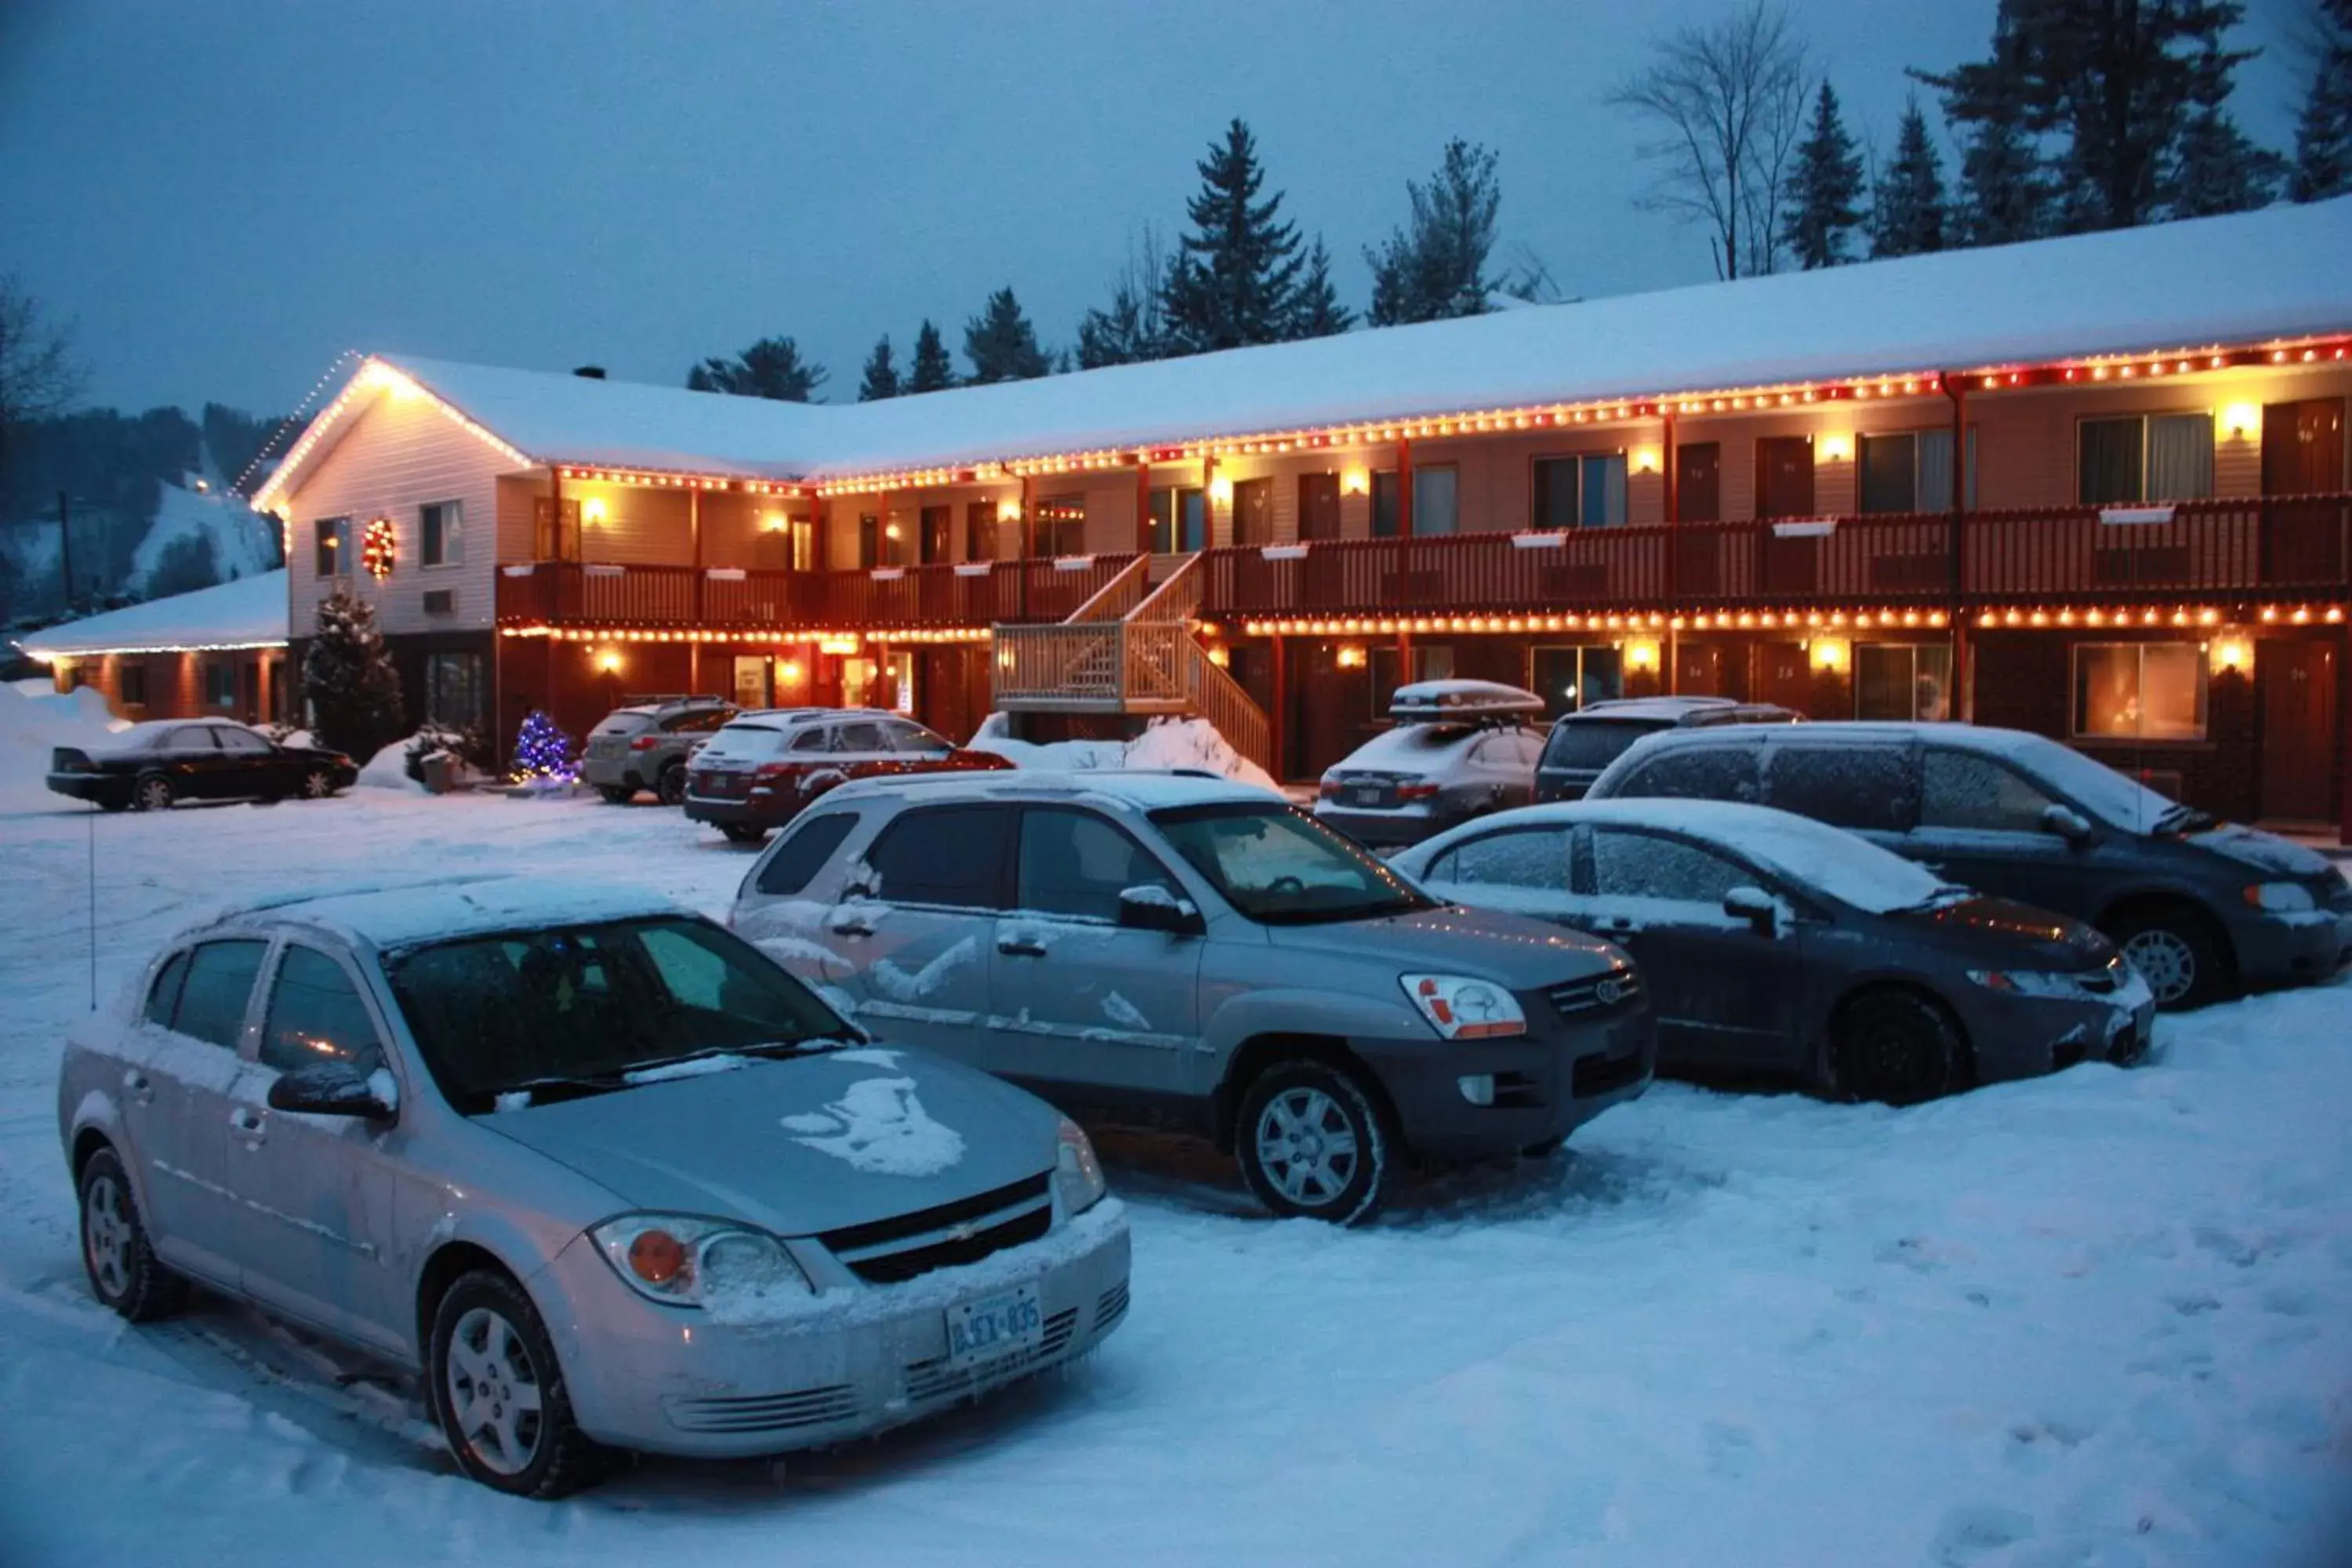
column 603, row 1174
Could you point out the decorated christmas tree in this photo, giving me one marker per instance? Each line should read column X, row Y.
column 542, row 750
column 349, row 683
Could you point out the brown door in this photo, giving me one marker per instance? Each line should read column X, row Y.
column 938, row 534
column 1784, row 476
column 2303, row 455
column 1253, row 512
column 1319, row 506
column 1783, row 675
column 1699, row 670
column 980, row 530
column 2299, row 742
column 1698, row 482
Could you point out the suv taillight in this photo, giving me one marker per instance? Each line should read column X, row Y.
column 772, row 770
column 1417, row 792
column 645, row 743
column 1330, row 790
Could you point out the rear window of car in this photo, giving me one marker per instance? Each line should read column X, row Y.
column 803, row 852
column 219, row 984
column 696, row 723
column 1874, row 788
column 742, row 741
column 621, row 723
column 1593, row 743
column 1697, row 772
column 951, row 855
column 163, row 996
column 1409, row 745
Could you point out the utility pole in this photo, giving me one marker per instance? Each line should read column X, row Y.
column 65, row 548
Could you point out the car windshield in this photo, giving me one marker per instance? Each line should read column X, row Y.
column 2114, row 798
column 557, row 1013
column 1594, row 742
column 1280, row 866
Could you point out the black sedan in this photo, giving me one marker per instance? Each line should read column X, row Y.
column 1772, row 944
column 153, row 766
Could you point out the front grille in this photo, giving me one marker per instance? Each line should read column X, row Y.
column 889, row 1250
column 1601, row 993
column 1111, row 1308
column 763, row 1412
column 933, row 1379
column 1599, row 1075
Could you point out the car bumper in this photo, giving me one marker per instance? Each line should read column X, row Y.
column 671, row 1380
column 1404, row 825
column 761, row 811
column 2286, row 949
column 99, row 788
column 611, row 773
column 1544, row 1083
column 2026, row 1037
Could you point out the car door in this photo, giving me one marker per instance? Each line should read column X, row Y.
column 1725, row 994
column 858, row 749
column 1505, row 760
column 249, row 765
column 1077, row 1003
column 178, row 1098
column 1981, row 825
column 917, row 747
column 1522, row 870
column 315, row 1193
column 192, row 759
column 1868, row 788
column 915, row 924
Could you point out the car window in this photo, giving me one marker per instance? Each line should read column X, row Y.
column 859, row 735
column 1532, row 857
column 163, row 996
column 316, row 1015
column 1075, row 863
column 623, row 722
column 191, row 738
column 803, row 851
column 219, row 985
column 698, row 721
column 1592, row 743
column 1959, row 789
column 905, row 737
column 1697, row 772
column 238, row 739
column 1869, row 787
column 815, row 738
column 1631, row 865
column 1279, row 866
column 953, row 855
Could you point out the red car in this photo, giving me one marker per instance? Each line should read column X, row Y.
column 764, row 766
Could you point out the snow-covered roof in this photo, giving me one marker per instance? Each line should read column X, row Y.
column 250, row 612
column 401, row 915
column 2248, row 278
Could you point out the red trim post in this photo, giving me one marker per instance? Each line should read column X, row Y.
column 1962, row 697
column 1404, row 487
column 1673, row 519
column 2343, row 734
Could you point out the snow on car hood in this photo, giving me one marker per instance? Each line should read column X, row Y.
column 2264, row 851
column 799, row 1145
column 1517, row 952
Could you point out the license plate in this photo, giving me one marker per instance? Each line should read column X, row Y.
column 1368, row 797
column 995, row 1327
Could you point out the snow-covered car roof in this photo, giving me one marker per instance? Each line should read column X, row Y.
column 405, row 914
column 1442, row 700
column 1671, row 709
column 147, row 731
column 1145, row 789
column 1811, row 853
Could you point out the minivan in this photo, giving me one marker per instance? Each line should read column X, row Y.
column 2201, row 908
column 1584, row 742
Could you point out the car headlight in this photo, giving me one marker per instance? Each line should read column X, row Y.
column 1462, row 1009
column 683, row 1261
column 1079, row 1182
column 2033, row 981
column 2281, row 898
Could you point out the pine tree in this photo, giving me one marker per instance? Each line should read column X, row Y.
column 1317, row 311
column 2216, row 168
column 881, row 377
column 1435, row 267
column 933, row 371
column 1129, row 328
column 1825, row 190
column 348, row 681
column 1908, row 209
column 542, row 751
column 1001, row 343
column 772, row 368
column 2322, row 131
column 1233, row 279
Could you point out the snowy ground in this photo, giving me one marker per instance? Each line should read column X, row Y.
column 2104, row 1318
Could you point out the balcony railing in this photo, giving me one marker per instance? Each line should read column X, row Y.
column 2279, row 546
column 979, row 594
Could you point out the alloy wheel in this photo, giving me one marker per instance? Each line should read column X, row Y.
column 107, row 1237
column 154, row 794
column 2166, row 961
column 1306, row 1146
column 317, row 785
column 494, row 1392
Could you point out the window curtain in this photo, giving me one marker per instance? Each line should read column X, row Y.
column 1434, row 494
column 1604, row 490
column 2179, row 457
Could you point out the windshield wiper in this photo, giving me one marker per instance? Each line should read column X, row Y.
column 2183, row 818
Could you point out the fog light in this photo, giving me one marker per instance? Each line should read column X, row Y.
column 1478, row 1089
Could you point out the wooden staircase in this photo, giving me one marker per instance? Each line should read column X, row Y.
column 1128, row 649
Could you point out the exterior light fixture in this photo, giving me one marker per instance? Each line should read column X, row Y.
column 1641, row 655
column 1835, row 448
column 2241, row 422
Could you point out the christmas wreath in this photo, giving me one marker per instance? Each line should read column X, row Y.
column 378, row 548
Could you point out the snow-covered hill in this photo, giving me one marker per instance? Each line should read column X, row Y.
column 241, row 541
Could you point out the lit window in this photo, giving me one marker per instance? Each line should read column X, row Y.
column 1061, row 526
column 442, row 525
column 333, row 557
column 1570, row 677
column 1903, row 681
column 2142, row 691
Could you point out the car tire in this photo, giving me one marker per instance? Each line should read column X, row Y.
column 615, row 795
column 1545, row 1148
column 743, row 833
column 1314, row 1143
column 152, row 793
column 123, row 1269
column 1897, row 1048
column 670, row 787
column 2171, row 947
column 317, row 784
column 499, row 1394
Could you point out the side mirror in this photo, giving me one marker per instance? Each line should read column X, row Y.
column 2065, row 822
column 1755, row 906
column 1156, row 908
column 329, row 1088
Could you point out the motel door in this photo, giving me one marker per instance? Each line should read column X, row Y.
column 1784, row 488
column 1319, row 506
column 1253, row 513
column 2303, row 455
column 2297, row 681
column 1698, row 499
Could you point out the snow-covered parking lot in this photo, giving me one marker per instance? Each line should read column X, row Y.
column 2102, row 1319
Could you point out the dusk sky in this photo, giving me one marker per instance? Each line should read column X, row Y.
column 224, row 196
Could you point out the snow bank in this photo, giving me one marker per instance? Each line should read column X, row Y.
column 1167, row 743
column 388, row 769
column 30, row 725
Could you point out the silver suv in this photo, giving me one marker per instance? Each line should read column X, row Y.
column 645, row 744
column 1170, row 948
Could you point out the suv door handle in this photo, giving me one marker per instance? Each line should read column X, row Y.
column 1021, row 947
column 246, row 1120
column 852, row 925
